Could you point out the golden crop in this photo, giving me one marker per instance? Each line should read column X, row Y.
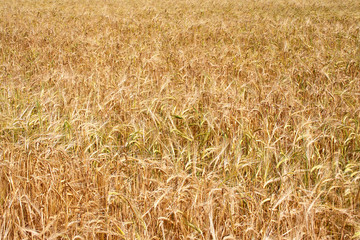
column 189, row 119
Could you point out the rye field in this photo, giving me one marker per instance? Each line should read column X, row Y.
column 189, row 119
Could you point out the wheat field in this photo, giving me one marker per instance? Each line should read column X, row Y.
column 189, row 119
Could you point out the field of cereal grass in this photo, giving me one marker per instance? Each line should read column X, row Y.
column 194, row 119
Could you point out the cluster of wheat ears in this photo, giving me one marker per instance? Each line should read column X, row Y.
column 189, row 119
